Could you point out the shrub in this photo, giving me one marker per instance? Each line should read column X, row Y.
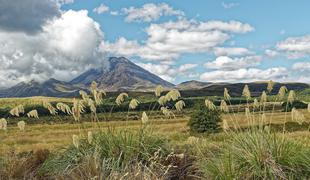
column 205, row 120
column 296, row 104
column 258, row 155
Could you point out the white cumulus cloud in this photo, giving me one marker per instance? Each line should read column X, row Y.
column 227, row 63
column 150, row 12
column 295, row 47
column 60, row 50
column 167, row 41
column 245, row 75
column 101, row 9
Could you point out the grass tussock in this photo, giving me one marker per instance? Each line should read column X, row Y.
column 258, row 154
column 109, row 153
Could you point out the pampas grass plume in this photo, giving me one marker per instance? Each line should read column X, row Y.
column 179, row 105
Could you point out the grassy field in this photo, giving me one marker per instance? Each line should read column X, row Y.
column 56, row 136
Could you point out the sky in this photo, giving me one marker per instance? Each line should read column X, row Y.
column 204, row 40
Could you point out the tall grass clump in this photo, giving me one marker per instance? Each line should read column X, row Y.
column 258, row 154
column 115, row 150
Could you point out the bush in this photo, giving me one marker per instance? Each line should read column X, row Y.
column 258, row 154
column 296, row 104
column 204, row 120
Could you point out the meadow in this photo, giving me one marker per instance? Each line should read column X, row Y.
column 124, row 137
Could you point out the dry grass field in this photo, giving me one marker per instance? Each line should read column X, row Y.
column 57, row 136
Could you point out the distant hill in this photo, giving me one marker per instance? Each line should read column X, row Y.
column 235, row 89
column 188, row 85
column 122, row 75
column 51, row 87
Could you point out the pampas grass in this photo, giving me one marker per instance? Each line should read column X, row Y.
column 76, row 141
column 89, row 137
column 17, row 110
column 223, row 107
column 159, row 89
column 3, row 124
column 77, row 109
column 33, row 114
column 263, row 99
column 47, row 105
column 179, row 105
column 64, row 108
column 291, row 97
column 21, row 125
column 226, row 95
column 282, row 92
column 133, row 104
column 297, row 116
column 173, row 95
column 162, row 100
column 270, row 86
column 209, row 104
column 256, row 104
column 84, row 95
column 167, row 112
column 246, row 92
column 144, row 118
column 120, row 98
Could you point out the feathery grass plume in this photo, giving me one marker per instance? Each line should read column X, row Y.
column 263, row 98
column 33, row 114
column 99, row 97
column 120, row 98
column 179, row 105
column 308, row 107
column 209, row 104
column 84, row 95
column 226, row 95
column 270, row 86
column 64, row 108
column 3, row 124
column 21, row 125
column 17, row 110
column 133, row 104
column 93, row 86
column 297, row 116
column 224, row 107
column 76, row 141
column 256, row 103
column 166, row 112
column 89, row 137
column 47, row 105
column 225, row 125
column 291, row 97
column 144, row 118
column 282, row 92
column 162, row 100
column 159, row 89
column 247, row 112
column 264, row 118
column 173, row 95
column 246, row 92
column 77, row 109
column 92, row 106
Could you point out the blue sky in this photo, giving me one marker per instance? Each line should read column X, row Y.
column 208, row 40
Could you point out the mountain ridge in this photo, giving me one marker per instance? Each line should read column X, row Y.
column 124, row 75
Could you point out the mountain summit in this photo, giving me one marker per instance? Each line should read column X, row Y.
column 121, row 74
